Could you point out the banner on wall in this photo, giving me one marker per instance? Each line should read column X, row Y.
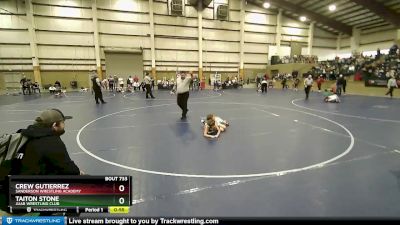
column 375, row 83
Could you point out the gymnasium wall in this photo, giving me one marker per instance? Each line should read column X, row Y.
column 2, row 84
column 65, row 38
column 65, row 77
column 370, row 41
column 64, row 32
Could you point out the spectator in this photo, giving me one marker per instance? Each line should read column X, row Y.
column 296, row 83
column 45, row 153
column 111, row 83
column 264, row 86
column 320, row 80
column 284, row 80
column 52, row 89
column 258, row 81
column 36, row 87
column 105, row 84
column 391, row 85
column 393, row 49
column 116, row 83
column 121, row 84
column 24, row 85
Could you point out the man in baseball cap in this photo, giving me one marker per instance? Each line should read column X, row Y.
column 45, row 153
column 51, row 116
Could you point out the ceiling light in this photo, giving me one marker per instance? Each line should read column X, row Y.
column 332, row 8
column 266, row 5
column 303, row 18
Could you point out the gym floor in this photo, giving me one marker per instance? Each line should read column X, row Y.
column 281, row 156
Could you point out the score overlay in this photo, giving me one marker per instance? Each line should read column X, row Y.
column 92, row 194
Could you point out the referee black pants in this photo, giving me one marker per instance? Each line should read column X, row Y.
column 390, row 91
column 264, row 88
column 307, row 90
column 98, row 95
column 182, row 100
column 148, row 91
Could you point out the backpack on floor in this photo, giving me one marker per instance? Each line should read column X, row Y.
column 10, row 144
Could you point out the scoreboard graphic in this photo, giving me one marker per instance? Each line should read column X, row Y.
column 79, row 194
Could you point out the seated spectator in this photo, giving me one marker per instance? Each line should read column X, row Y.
column 36, row 87
column 264, row 86
column 52, row 89
column 55, row 89
column 60, row 92
column 393, row 49
column 83, row 89
column 136, row 85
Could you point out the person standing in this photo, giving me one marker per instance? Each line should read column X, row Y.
column 111, row 83
column 135, row 83
column 308, row 82
column 57, row 83
column 320, row 80
column 116, row 84
column 339, row 85
column 23, row 83
column 147, row 81
column 296, row 83
column 264, row 86
column 258, row 81
column 284, row 80
column 97, row 89
column 391, row 85
column 182, row 89
column 129, row 82
column 152, row 84
column 344, row 85
column 378, row 54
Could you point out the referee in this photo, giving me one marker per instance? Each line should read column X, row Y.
column 308, row 82
column 147, row 81
column 182, row 90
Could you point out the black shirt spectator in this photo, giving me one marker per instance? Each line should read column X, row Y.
column 45, row 153
column 23, row 81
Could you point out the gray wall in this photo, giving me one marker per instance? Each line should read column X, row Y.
column 124, row 64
